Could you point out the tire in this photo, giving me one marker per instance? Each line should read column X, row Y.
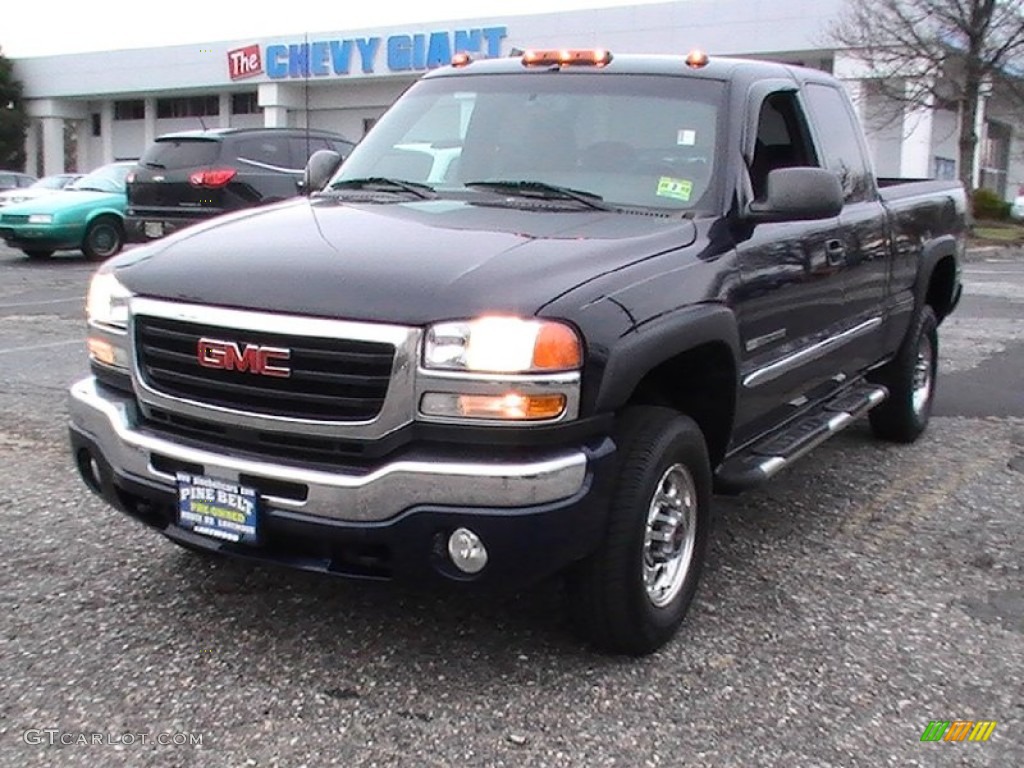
column 610, row 601
column 910, row 379
column 104, row 238
column 38, row 254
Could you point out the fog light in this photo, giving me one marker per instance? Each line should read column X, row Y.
column 467, row 551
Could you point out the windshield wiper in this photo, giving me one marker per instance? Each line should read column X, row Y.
column 384, row 184
column 544, row 191
column 151, row 164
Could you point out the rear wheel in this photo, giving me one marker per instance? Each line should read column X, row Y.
column 631, row 595
column 38, row 254
column 104, row 238
column 910, row 379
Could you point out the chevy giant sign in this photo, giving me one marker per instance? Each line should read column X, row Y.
column 324, row 58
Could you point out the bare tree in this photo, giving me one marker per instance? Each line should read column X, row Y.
column 924, row 53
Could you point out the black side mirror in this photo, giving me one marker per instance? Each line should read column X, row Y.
column 321, row 166
column 799, row 194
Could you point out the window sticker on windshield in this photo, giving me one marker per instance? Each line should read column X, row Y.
column 677, row 189
column 686, row 137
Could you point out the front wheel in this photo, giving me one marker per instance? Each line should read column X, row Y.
column 631, row 595
column 104, row 238
column 910, row 379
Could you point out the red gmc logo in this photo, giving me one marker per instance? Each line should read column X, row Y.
column 245, row 62
column 252, row 358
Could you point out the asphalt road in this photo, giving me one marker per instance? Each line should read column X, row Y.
column 862, row 594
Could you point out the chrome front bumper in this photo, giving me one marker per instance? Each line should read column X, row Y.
column 111, row 421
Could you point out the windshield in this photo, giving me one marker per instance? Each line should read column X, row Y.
column 109, row 178
column 175, row 153
column 52, row 182
column 642, row 140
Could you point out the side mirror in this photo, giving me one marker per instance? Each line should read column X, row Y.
column 799, row 194
column 321, row 166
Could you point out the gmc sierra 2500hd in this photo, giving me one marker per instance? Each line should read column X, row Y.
column 542, row 310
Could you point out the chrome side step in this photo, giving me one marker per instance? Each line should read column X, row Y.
column 769, row 455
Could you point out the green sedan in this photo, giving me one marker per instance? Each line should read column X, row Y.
column 88, row 214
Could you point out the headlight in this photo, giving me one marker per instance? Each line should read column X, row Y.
column 502, row 345
column 40, row 218
column 107, row 303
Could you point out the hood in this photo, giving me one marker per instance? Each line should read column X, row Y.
column 66, row 200
column 406, row 263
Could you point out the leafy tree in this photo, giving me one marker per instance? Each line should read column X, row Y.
column 927, row 52
column 13, row 120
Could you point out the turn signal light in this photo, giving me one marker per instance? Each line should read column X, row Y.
column 508, row 407
column 101, row 351
column 213, row 179
column 565, row 57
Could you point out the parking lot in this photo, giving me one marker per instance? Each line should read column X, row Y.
column 867, row 591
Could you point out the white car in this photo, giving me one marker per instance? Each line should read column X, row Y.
column 45, row 186
column 1017, row 209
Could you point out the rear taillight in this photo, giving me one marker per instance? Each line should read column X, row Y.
column 218, row 177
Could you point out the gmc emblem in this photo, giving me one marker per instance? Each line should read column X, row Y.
column 252, row 358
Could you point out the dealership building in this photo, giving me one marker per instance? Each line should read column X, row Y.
column 91, row 108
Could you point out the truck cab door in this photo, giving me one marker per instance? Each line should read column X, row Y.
column 863, row 255
column 790, row 302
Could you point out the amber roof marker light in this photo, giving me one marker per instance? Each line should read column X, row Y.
column 696, row 59
column 567, row 57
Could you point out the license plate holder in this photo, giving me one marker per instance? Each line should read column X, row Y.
column 220, row 509
column 153, row 228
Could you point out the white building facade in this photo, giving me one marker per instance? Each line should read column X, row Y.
column 111, row 105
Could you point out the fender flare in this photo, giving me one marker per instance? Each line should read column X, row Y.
column 650, row 344
column 932, row 252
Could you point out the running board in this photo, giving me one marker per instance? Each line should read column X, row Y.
column 769, row 455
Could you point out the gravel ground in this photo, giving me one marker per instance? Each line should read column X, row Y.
column 863, row 593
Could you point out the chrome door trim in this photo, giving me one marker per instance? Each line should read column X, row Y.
column 820, row 349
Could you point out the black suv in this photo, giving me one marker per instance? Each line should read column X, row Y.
column 192, row 176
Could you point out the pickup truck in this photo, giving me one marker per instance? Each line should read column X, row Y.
column 547, row 308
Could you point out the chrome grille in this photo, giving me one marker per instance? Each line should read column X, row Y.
column 330, row 379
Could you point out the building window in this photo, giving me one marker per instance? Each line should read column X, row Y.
column 245, row 104
column 945, row 168
column 97, row 124
column 188, row 106
column 129, row 109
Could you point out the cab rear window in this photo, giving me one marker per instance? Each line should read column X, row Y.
column 180, row 153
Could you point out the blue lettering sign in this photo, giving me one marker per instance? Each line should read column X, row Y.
column 298, row 60
column 467, row 40
column 404, row 52
column 368, row 51
column 419, row 51
column 494, row 37
column 277, row 61
column 439, row 52
column 341, row 56
column 319, row 55
column 399, row 53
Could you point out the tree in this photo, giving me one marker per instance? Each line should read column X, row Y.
column 924, row 53
column 13, row 120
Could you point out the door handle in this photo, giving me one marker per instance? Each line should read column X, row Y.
column 835, row 252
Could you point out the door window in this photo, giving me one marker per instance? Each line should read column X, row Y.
column 783, row 140
column 840, row 140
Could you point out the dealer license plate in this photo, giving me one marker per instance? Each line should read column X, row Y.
column 218, row 508
column 154, row 228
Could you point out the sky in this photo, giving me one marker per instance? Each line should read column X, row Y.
column 46, row 27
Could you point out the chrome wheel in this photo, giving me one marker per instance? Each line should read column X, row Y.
column 921, row 392
column 670, row 535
